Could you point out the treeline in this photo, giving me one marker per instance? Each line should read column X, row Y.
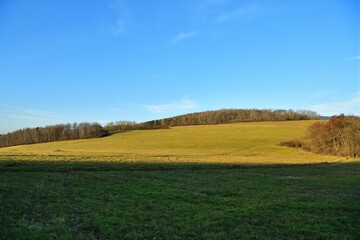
column 52, row 133
column 121, row 126
column 230, row 116
column 339, row 136
column 214, row 117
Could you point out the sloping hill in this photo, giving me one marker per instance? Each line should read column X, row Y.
column 230, row 116
column 252, row 142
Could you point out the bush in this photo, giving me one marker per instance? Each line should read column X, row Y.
column 291, row 144
column 339, row 136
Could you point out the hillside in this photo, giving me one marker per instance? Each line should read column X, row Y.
column 252, row 142
column 86, row 130
column 230, row 116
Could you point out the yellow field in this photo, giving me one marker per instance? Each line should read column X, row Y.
column 254, row 142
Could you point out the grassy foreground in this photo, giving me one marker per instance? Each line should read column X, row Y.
column 62, row 201
column 204, row 182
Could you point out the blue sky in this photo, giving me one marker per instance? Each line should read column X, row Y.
column 100, row 61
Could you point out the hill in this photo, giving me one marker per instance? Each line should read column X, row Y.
column 215, row 117
column 231, row 116
column 85, row 130
column 251, row 142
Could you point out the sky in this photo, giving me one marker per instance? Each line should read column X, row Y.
column 65, row 61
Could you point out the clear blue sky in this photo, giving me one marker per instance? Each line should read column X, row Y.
column 93, row 60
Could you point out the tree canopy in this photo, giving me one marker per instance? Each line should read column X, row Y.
column 52, row 133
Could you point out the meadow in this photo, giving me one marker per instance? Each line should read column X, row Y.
column 245, row 143
column 228, row 181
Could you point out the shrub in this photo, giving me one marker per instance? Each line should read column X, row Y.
column 292, row 144
column 339, row 136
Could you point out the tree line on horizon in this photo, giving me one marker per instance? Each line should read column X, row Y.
column 214, row 117
column 53, row 133
column 231, row 116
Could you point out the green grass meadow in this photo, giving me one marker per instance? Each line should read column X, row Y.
column 228, row 181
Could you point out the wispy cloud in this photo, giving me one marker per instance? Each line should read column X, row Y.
column 245, row 11
column 26, row 117
column 355, row 58
column 123, row 18
column 214, row 2
column 103, row 122
column 208, row 7
column 349, row 106
column 173, row 106
column 183, row 36
column 30, row 114
column 322, row 93
column 115, row 110
column 119, row 27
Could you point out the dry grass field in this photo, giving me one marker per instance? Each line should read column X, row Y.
column 238, row 143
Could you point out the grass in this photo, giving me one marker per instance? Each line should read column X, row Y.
column 182, row 202
column 203, row 182
column 252, row 143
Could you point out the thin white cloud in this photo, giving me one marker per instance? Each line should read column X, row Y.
column 103, row 122
column 30, row 113
column 119, row 27
column 349, row 106
column 322, row 93
column 115, row 110
column 29, row 117
column 207, row 9
column 172, row 107
column 246, row 11
column 355, row 58
column 183, row 36
column 214, row 2
column 122, row 21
